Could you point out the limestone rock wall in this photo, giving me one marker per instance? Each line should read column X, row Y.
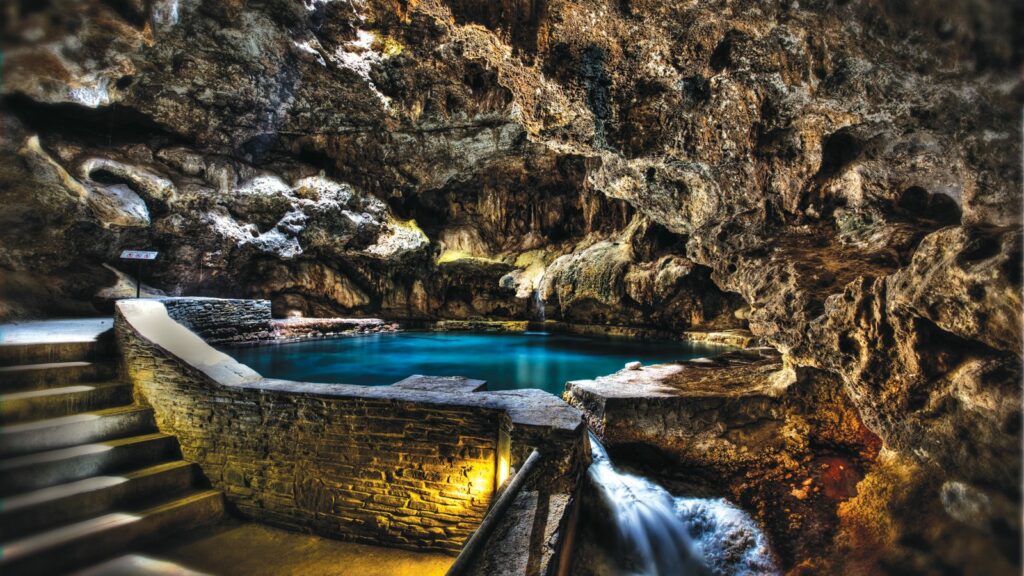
column 845, row 174
column 328, row 167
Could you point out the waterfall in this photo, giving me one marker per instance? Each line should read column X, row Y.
column 538, row 304
column 662, row 535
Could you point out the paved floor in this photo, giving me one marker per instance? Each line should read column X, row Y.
column 241, row 548
column 50, row 331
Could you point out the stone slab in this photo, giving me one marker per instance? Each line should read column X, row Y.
column 54, row 331
column 458, row 384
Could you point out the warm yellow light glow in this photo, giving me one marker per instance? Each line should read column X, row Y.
column 460, row 255
column 480, row 483
column 504, row 458
column 484, row 480
column 502, row 469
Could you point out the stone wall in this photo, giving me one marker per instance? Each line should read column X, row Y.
column 395, row 465
column 222, row 321
column 290, row 329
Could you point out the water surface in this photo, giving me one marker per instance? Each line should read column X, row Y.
column 506, row 361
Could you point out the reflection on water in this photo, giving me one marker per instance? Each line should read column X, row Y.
column 506, row 361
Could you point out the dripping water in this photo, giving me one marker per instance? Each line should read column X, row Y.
column 662, row 535
column 538, row 305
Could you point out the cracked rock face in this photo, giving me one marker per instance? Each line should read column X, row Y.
column 842, row 178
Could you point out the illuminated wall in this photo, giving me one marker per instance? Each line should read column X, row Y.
column 400, row 469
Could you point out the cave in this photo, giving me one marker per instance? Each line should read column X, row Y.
column 522, row 288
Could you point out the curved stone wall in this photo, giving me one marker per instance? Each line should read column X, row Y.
column 413, row 465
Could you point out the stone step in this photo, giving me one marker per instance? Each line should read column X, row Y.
column 108, row 535
column 43, row 469
column 54, row 374
column 30, row 512
column 138, row 565
column 64, row 431
column 62, row 401
column 48, row 352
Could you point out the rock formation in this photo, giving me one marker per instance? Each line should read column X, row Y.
column 842, row 178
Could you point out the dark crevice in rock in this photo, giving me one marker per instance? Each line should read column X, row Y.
column 838, row 151
column 598, row 84
column 918, row 203
column 133, row 11
column 520, row 21
column 724, row 55
column 101, row 127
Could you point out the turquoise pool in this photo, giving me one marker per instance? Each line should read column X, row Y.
column 506, row 361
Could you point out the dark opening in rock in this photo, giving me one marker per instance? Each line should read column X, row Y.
column 133, row 11
column 260, row 148
column 724, row 56
column 919, row 203
column 108, row 178
column 595, row 77
column 695, row 89
column 980, row 247
column 105, row 126
column 838, row 151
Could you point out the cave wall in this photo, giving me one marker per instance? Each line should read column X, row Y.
column 843, row 177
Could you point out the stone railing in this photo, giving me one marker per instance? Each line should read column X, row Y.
column 412, row 465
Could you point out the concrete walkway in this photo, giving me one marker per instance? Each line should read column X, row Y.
column 54, row 331
column 249, row 549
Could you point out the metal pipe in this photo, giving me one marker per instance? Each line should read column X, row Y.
column 494, row 516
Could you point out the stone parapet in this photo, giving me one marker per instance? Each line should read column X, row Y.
column 406, row 466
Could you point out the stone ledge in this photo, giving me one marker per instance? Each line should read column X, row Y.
column 735, row 374
column 693, row 409
column 512, row 326
column 298, row 329
column 732, row 338
column 441, row 384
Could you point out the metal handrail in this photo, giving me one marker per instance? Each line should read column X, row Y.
column 494, row 516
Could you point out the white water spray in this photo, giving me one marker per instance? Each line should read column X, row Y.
column 662, row 535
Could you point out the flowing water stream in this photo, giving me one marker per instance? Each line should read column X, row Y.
column 662, row 535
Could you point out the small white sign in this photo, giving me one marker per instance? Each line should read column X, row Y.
column 138, row 255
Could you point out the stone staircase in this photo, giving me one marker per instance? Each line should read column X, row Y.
column 84, row 473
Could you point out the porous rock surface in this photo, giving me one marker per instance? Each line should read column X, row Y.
column 842, row 178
